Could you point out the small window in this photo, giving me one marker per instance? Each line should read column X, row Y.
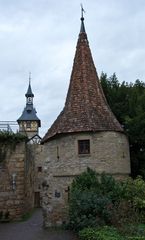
column 28, row 124
column 84, row 146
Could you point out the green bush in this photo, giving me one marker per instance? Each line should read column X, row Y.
column 104, row 233
column 97, row 200
column 136, row 238
column 91, row 199
column 124, row 213
column 134, row 232
column 88, row 209
column 134, row 191
column 88, row 180
column 110, row 187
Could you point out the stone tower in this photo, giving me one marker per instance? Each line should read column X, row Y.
column 28, row 122
column 85, row 134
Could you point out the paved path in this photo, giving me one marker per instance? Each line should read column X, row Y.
column 32, row 230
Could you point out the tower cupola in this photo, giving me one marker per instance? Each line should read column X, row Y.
column 28, row 122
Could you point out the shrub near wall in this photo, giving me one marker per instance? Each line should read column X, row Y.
column 100, row 200
column 104, row 233
column 91, row 200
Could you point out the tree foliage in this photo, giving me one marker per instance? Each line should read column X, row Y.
column 127, row 102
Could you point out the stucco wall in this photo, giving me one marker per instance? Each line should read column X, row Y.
column 109, row 152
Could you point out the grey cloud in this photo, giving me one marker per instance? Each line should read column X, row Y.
column 40, row 36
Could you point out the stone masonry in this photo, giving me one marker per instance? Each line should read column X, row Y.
column 19, row 180
column 12, row 183
column 38, row 173
column 109, row 153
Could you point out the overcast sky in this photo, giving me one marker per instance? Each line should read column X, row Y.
column 41, row 35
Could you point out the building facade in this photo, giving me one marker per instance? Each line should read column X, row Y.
column 85, row 134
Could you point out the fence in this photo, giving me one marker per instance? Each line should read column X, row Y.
column 10, row 126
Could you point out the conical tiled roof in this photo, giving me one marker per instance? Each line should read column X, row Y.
column 86, row 108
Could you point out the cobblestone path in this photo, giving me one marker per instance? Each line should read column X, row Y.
column 32, row 230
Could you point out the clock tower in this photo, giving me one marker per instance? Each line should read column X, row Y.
column 28, row 122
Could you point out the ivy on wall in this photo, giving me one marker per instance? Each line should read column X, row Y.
column 10, row 137
column 8, row 141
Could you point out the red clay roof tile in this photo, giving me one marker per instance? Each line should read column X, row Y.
column 86, row 108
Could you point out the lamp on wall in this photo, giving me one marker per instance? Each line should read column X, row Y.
column 14, row 181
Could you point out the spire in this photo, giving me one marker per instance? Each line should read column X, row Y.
column 29, row 78
column 29, row 91
column 29, row 112
column 82, row 30
column 86, row 108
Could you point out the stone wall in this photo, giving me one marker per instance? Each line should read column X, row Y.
column 109, row 152
column 38, row 173
column 16, row 182
column 29, row 167
column 32, row 171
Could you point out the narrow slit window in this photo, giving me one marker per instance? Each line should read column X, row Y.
column 57, row 151
column 84, row 146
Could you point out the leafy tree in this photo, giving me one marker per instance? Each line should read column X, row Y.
column 127, row 101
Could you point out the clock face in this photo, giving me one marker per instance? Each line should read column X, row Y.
column 29, row 100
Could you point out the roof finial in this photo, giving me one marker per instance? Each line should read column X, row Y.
column 29, row 77
column 82, row 11
column 82, row 19
column 29, row 91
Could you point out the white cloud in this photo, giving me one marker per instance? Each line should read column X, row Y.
column 40, row 36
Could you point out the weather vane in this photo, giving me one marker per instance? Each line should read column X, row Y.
column 82, row 10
